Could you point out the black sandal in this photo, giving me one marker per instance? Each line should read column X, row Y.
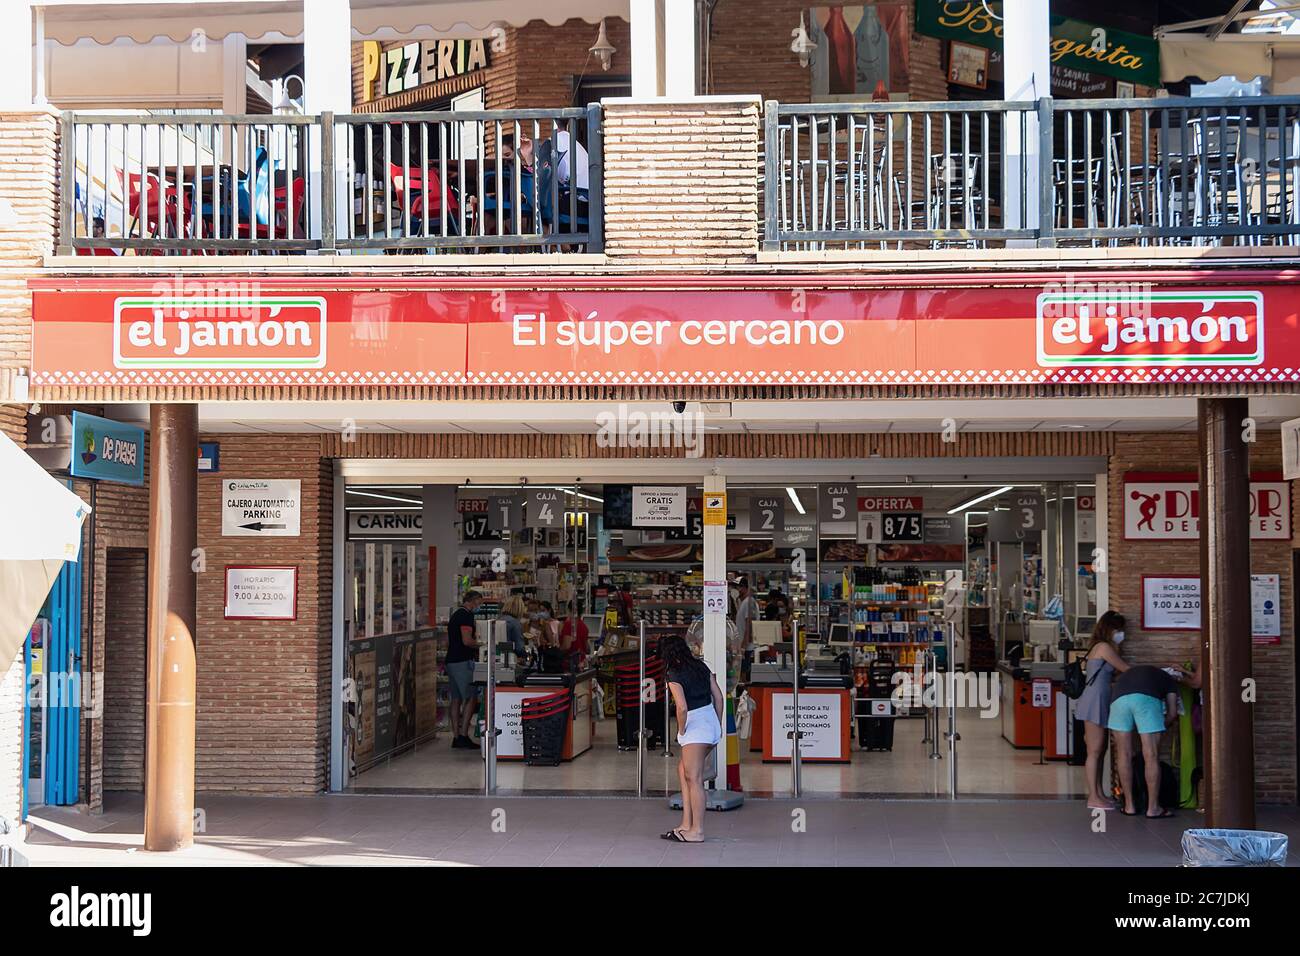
column 1162, row 815
column 672, row 835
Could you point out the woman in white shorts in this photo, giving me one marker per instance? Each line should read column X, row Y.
column 699, row 716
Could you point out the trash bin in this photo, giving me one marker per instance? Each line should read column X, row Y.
column 1234, row 848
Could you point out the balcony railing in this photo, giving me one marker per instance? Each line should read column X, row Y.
column 505, row 181
column 1190, row 171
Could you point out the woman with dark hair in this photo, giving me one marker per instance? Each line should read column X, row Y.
column 699, row 719
column 1093, row 706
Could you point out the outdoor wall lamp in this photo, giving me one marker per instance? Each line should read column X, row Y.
column 802, row 45
column 603, row 49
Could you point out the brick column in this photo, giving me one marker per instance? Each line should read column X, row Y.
column 28, row 217
column 29, row 184
column 681, row 180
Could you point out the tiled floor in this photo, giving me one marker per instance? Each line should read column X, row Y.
column 611, row 831
column 987, row 765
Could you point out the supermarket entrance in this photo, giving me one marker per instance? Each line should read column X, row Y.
column 974, row 567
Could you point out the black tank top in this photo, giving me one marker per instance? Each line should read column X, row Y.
column 696, row 685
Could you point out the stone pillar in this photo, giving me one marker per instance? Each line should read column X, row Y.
column 169, row 716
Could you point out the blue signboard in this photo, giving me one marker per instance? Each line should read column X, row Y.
column 209, row 457
column 106, row 451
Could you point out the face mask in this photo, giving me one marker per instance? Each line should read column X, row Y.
column 1118, row 638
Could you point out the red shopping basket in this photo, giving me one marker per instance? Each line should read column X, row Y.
column 545, row 721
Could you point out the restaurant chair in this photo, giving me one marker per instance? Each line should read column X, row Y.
column 411, row 197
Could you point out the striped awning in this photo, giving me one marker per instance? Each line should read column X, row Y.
column 141, row 21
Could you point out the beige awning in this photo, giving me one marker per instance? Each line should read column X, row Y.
column 36, row 537
column 1244, row 56
column 180, row 20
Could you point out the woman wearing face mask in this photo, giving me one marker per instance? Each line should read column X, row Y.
column 1093, row 707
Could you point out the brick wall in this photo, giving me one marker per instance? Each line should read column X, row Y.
column 120, row 519
column 750, row 53
column 126, row 572
column 263, row 686
column 681, row 181
column 1275, row 746
column 29, row 183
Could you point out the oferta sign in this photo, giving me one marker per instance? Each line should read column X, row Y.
column 1075, row 43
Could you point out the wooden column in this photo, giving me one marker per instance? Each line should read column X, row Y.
column 1229, row 787
column 169, row 717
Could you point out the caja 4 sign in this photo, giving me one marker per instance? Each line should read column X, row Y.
column 1168, row 508
column 1120, row 326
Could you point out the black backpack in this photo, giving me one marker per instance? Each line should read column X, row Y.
column 1076, row 680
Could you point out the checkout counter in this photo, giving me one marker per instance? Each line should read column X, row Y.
column 1034, row 711
column 825, row 704
column 515, row 684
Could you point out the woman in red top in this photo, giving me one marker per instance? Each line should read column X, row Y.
column 573, row 633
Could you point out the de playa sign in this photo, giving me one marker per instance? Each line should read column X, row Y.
column 1234, row 327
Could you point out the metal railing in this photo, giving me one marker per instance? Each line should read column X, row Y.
column 202, row 183
column 186, row 183
column 1182, row 171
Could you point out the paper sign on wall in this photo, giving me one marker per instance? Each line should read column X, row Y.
column 715, row 597
column 869, row 531
column 1266, row 608
column 715, row 509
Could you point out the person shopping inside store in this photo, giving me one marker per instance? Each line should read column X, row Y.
column 1145, row 703
column 699, row 715
column 1093, row 708
column 574, row 634
column 462, row 652
column 513, row 613
column 746, row 615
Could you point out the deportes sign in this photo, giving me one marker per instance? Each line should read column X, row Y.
column 1160, row 507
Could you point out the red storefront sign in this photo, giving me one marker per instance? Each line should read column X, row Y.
column 1167, row 507
column 891, row 503
column 1185, row 327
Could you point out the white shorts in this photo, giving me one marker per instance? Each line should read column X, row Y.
column 702, row 727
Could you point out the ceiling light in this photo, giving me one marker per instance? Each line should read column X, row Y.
column 984, row 497
column 798, row 505
column 371, row 494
